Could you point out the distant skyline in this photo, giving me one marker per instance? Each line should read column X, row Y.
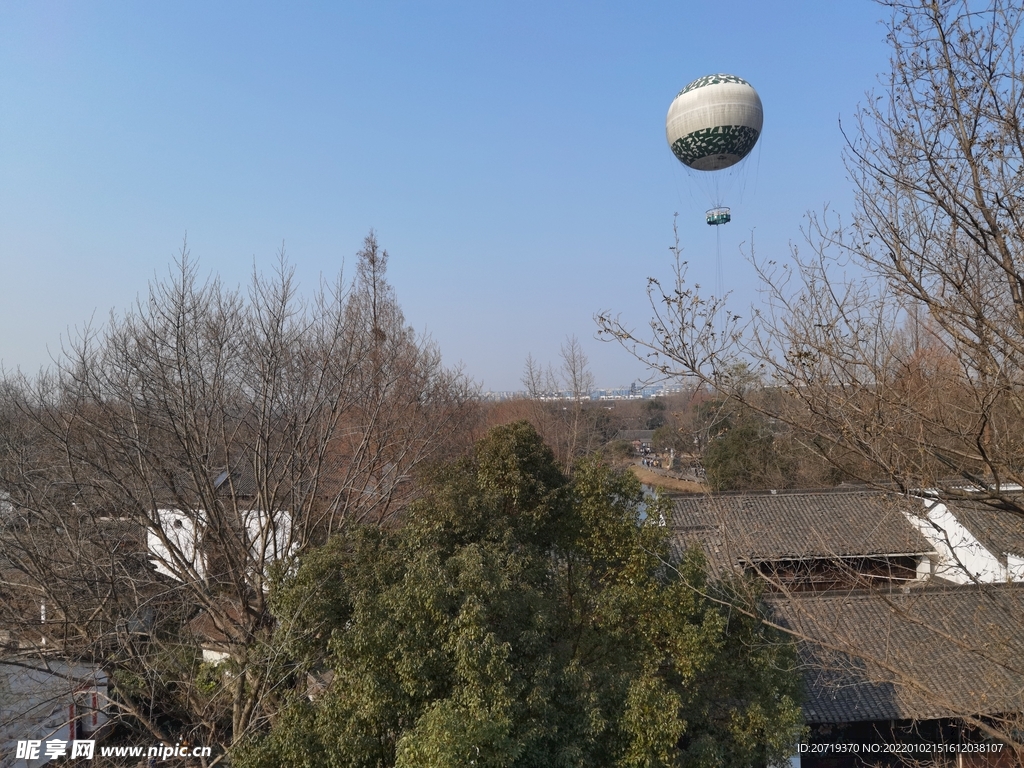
column 511, row 157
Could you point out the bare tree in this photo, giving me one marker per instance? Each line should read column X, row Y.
column 579, row 384
column 560, row 397
column 173, row 459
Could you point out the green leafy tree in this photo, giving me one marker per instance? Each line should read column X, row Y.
column 740, row 451
column 522, row 619
column 653, row 414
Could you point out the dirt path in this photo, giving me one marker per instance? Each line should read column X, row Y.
column 666, row 483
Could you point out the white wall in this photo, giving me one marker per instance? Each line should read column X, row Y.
column 178, row 557
column 962, row 559
column 268, row 535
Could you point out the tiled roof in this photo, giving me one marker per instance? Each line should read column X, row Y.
column 932, row 653
column 221, row 630
column 1001, row 531
column 796, row 526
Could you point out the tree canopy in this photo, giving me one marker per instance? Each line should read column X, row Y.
column 521, row 618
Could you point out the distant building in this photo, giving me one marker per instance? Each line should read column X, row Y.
column 640, row 439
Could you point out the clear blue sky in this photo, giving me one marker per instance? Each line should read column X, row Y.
column 510, row 156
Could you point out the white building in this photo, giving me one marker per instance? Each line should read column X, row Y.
column 49, row 700
column 974, row 543
column 177, row 548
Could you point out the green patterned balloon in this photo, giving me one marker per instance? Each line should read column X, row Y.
column 714, row 122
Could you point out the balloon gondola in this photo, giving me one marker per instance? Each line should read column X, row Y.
column 718, row 216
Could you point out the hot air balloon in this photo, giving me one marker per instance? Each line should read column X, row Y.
column 712, row 124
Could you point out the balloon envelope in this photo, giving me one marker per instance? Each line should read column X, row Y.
column 714, row 122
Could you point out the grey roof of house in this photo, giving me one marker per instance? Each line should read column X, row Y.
column 764, row 527
column 937, row 652
column 1001, row 531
